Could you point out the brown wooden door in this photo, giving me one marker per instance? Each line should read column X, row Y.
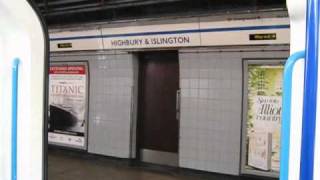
column 159, row 82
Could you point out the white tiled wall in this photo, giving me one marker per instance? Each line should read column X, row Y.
column 211, row 109
column 210, row 112
column 110, row 105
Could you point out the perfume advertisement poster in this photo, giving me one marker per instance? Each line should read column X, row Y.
column 264, row 112
column 67, row 104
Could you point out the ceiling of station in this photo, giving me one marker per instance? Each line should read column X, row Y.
column 75, row 11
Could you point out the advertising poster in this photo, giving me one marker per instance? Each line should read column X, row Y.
column 68, row 104
column 264, row 112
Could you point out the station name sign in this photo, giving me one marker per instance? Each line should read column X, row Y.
column 151, row 41
column 196, row 33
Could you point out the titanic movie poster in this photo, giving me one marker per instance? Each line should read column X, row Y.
column 67, row 104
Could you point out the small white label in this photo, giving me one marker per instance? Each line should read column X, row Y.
column 66, row 139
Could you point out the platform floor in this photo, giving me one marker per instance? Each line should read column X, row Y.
column 68, row 165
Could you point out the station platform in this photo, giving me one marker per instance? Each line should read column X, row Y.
column 66, row 165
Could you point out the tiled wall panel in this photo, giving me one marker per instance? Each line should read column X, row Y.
column 110, row 105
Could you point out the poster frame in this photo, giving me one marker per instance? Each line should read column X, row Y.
column 245, row 63
column 86, row 131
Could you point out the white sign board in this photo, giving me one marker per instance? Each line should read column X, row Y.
column 152, row 36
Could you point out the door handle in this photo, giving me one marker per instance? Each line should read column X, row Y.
column 178, row 101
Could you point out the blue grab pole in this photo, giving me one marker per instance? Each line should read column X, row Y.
column 310, row 92
column 286, row 114
column 15, row 74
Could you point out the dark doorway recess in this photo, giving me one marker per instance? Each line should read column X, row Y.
column 158, row 129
